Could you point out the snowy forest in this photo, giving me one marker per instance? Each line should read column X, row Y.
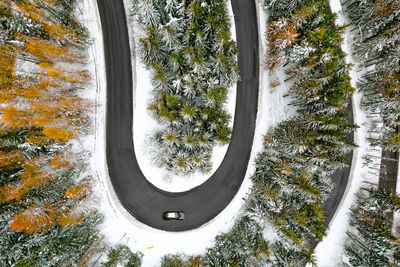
column 47, row 215
column 187, row 46
column 376, row 32
column 44, row 192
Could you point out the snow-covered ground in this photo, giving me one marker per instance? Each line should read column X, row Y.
column 364, row 169
column 272, row 102
column 145, row 125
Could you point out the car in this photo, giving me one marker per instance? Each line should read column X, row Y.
column 173, row 215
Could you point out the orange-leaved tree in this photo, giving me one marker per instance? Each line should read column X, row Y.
column 35, row 219
column 280, row 35
column 77, row 191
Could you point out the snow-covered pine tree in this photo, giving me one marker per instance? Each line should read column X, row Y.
column 279, row 8
column 244, row 245
column 370, row 240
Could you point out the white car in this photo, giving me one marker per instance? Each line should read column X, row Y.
column 173, row 215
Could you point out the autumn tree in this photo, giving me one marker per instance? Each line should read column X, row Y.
column 280, row 35
column 35, row 219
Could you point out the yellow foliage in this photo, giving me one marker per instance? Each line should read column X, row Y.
column 44, row 113
column 69, row 219
column 9, row 192
column 38, row 140
column 44, row 65
column 79, row 77
column 7, row 65
column 58, row 32
column 5, row 96
column 60, row 162
column 62, row 111
column 10, row 158
column 68, row 76
column 77, row 191
column 47, row 51
column 58, row 134
column 31, row 11
column 29, row 93
column 7, row 58
column 43, row 120
column 56, row 73
column 33, row 176
column 15, row 118
column 34, row 219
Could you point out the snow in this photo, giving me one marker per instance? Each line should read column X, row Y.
column 335, row 6
column 273, row 106
column 145, row 125
column 364, row 169
column 22, row 67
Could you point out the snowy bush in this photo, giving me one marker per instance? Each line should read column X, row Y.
column 244, row 245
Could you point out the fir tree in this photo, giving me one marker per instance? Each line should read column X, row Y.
column 370, row 241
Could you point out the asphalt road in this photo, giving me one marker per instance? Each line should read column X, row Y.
column 144, row 201
column 201, row 204
column 340, row 178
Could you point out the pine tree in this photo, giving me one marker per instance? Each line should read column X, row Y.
column 371, row 241
column 122, row 256
column 244, row 245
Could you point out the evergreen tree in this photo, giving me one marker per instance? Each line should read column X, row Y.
column 122, row 256
column 370, row 241
column 243, row 246
column 279, row 8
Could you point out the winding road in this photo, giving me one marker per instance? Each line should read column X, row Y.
column 200, row 204
column 143, row 200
